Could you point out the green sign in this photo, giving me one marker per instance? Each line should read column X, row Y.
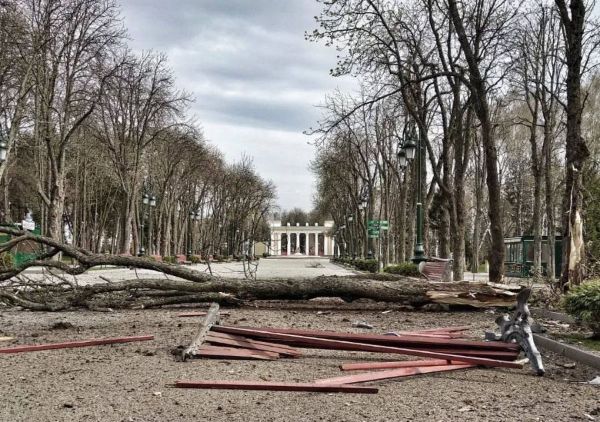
column 373, row 233
column 378, row 224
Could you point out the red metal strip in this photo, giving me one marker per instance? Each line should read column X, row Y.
column 348, row 345
column 394, row 373
column 207, row 351
column 392, row 340
column 211, row 338
column 73, row 344
column 276, row 386
column 364, row 366
column 254, row 341
column 197, row 314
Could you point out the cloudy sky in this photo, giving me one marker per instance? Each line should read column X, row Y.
column 255, row 79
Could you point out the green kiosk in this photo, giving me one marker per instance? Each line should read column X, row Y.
column 24, row 251
column 518, row 256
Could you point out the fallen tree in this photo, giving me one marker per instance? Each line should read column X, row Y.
column 57, row 292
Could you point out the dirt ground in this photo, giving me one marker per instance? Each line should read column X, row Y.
column 130, row 382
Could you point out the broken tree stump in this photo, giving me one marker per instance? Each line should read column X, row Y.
column 212, row 318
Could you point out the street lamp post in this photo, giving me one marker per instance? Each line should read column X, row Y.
column 411, row 146
column 152, row 205
column 364, row 205
column 352, row 237
column 145, row 202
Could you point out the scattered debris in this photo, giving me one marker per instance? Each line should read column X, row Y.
column 568, row 365
column 518, row 329
column 595, row 381
column 446, row 348
column 6, row 338
column 362, row 324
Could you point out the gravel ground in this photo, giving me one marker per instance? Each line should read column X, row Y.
column 129, row 382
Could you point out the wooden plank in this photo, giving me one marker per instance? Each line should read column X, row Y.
column 197, row 314
column 394, row 373
column 223, row 341
column 443, row 329
column 492, row 354
column 6, row 338
column 348, row 345
column 254, row 341
column 74, row 344
column 273, row 355
column 212, row 318
column 276, row 386
column 399, row 341
column 207, row 351
column 365, row 366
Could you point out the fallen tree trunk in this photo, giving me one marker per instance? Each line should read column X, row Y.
column 192, row 286
column 232, row 291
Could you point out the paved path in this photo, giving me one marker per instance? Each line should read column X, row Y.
column 267, row 268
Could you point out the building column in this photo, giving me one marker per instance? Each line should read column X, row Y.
column 273, row 243
column 317, row 244
column 277, row 248
column 306, row 244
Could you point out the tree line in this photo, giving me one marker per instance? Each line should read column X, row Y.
column 99, row 146
column 501, row 96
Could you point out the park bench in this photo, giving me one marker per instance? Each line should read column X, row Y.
column 436, row 269
column 182, row 260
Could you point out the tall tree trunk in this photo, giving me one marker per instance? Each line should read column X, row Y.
column 576, row 149
column 481, row 107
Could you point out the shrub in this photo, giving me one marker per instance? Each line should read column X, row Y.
column 170, row 259
column 265, row 254
column 404, row 268
column 583, row 302
column 366, row 265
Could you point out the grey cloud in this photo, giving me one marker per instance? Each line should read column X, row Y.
column 248, row 65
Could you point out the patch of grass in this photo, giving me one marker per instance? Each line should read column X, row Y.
column 581, row 339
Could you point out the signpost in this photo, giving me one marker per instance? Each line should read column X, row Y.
column 374, row 229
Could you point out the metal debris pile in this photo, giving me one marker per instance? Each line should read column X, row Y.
column 444, row 349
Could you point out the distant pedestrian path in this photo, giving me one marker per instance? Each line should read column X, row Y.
column 268, row 268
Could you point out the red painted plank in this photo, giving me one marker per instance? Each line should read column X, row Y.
column 394, row 373
column 73, row 344
column 248, row 339
column 207, row 351
column 441, row 330
column 217, row 338
column 197, row 314
column 492, row 354
column 348, row 345
column 392, row 340
column 276, row 386
column 365, row 366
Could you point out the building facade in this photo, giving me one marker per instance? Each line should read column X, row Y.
column 301, row 240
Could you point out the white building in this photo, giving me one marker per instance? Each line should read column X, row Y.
column 300, row 240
